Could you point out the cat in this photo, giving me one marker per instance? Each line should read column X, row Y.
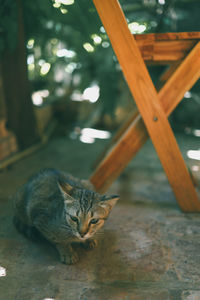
column 62, row 209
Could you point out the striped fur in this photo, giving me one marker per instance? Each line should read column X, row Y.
column 62, row 209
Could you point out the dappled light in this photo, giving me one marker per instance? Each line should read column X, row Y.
column 30, row 59
column 195, row 168
column 162, row 2
column 88, row 47
column 64, row 11
column 39, row 96
column 87, row 139
column 194, row 154
column 105, row 44
column 97, row 39
column 65, row 53
column 95, row 133
column 45, row 68
column 2, row 271
column 30, row 43
column 90, row 94
column 64, row 2
column 136, row 27
column 88, row 135
column 188, row 95
column 196, row 132
column 71, row 67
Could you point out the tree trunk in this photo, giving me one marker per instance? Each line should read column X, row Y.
column 8, row 143
column 20, row 115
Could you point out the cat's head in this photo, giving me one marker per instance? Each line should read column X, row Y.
column 85, row 210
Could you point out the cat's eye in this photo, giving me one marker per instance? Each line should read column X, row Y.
column 74, row 219
column 94, row 221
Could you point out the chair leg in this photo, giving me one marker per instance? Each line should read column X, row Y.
column 125, row 146
column 115, row 138
column 167, row 74
column 119, row 155
column 148, row 103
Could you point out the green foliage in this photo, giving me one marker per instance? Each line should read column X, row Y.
column 52, row 30
column 53, row 25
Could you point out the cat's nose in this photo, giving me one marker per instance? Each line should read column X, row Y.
column 83, row 233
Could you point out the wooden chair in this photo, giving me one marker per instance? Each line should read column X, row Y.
column 181, row 51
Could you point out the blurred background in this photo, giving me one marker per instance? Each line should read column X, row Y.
column 60, row 83
column 59, row 75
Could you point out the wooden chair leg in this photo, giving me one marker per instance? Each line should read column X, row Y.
column 171, row 69
column 163, row 78
column 167, row 74
column 148, row 103
column 115, row 138
column 119, row 155
column 133, row 138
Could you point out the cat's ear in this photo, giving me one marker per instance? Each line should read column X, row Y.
column 66, row 190
column 108, row 201
column 65, row 187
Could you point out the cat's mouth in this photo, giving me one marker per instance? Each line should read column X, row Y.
column 82, row 238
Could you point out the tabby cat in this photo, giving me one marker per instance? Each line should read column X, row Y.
column 63, row 209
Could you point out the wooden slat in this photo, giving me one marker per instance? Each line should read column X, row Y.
column 168, row 36
column 148, row 103
column 181, row 80
column 166, row 47
column 168, row 73
column 164, row 51
column 133, row 138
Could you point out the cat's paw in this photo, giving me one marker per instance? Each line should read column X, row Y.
column 67, row 255
column 90, row 244
column 69, row 258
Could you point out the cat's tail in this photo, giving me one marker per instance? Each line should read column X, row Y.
column 28, row 231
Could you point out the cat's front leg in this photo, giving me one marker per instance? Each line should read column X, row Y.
column 53, row 233
column 90, row 244
column 67, row 255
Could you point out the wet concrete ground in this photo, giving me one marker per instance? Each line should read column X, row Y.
column 148, row 249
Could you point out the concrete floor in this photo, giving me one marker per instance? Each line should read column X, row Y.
column 148, row 248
